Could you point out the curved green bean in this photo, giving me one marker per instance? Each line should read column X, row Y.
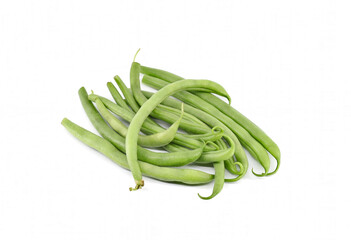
column 129, row 97
column 160, row 111
column 117, row 96
column 172, row 147
column 187, row 176
column 230, row 165
column 186, row 123
column 218, row 180
column 155, row 140
column 220, row 155
column 215, row 134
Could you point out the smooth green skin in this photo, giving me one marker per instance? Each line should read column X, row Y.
column 167, row 116
column 154, row 140
column 254, row 147
column 172, row 147
column 230, row 165
column 129, row 97
column 210, row 121
column 149, row 126
column 187, row 176
column 148, row 107
column 141, row 99
column 215, row 134
column 209, row 138
column 117, row 96
column 189, row 118
column 126, row 114
column 235, row 115
column 218, row 180
column 158, row 73
column 160, row 112
column 156, row 158
column 220, row 155
column 190, row 121
column 174, row 111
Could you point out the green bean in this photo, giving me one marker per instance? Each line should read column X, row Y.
column 129, row 97
column 148, row 126
column 160, row 112
column 126, row 114
column 189, row 117
column 167, row 116
column 254, row 147
column 218, row 180
column 215, row 134
column 116, row 96
column 156, row 158
column 220, row 155
column 141, row 99
column 211, row 121
column 148, row 107
column 235, row 115
column 231, row 168
column 230, row 165
column 172, row 147
column 209, row 138
column 187, row 176
column 192, row 121
column 155, row 140
column 158, row 73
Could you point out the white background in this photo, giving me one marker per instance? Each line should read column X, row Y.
column 286, row 65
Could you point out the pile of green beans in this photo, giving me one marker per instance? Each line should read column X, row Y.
column 214, row 134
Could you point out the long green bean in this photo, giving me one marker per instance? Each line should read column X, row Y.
column 218, row 180
column 117, row 96
column 187, row 176
column 154, row 140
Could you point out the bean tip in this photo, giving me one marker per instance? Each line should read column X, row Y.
column 259, row 175
column 136, row 54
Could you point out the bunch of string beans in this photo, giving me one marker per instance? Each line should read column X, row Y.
column 214, row 133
